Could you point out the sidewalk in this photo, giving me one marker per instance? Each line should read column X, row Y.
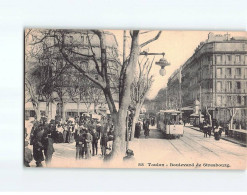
column 244, row 144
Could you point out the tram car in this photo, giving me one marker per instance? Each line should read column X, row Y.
column 170, row 123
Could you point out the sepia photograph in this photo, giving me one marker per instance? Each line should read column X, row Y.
column 142, row 99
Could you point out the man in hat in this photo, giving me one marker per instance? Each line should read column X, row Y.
column 37, row 145
column 129, row 155
column 103, row 143
column 79, row 145
column 95, row 137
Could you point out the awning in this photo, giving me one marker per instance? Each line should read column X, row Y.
column 170, row 111
column 187, row 108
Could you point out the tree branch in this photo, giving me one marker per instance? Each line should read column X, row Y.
column 151, row 40
column 94, row 58
column 91, row 78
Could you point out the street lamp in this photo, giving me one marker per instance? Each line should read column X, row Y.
column 162, row 62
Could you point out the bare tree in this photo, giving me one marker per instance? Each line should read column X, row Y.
column 73, row 55
column 233, row 109
column 139, row 89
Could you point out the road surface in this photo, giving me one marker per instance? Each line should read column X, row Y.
column 191, row 151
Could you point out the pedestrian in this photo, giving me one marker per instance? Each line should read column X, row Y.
column 227, row 129
column 103, row 143
column 88, row 144
column 129, row 155
column 68, row 136
column 37, row 145
column 28, row 157
column 184, row 121
column 65, row 132
column 137, row 130
column 90, row 141
column 146, row 129
column 99, row 129
column 59, row 133
column 95, row 136
column 217, row 133
column 204, row 128
column 79, row 145
column 48, row 148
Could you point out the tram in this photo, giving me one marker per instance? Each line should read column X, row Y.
column 170, row 123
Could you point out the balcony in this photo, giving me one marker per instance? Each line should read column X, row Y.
column 229, row 76
column 235, row 91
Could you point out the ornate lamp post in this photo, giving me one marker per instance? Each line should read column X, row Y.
column 162, row 62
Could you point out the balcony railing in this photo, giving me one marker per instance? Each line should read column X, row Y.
column 234, row 91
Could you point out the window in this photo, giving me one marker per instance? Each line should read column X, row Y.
column 209, row 85
column 245, row 59
column 229, row 58
column 219, row 86
column 228, row 72
column 218, row 59
column 219, row 72
column 245, row 100
column 219, row 100
column 229, row 85
column 238, row 71
column 229, row 100
column 237, row 59
column 239, row 99
column 210, row 60
column 245, row 72
column 238, row 85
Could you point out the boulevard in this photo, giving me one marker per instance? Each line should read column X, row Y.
column 157, row 152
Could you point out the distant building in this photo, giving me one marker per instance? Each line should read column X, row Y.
column 216, row 76
column 174, row 98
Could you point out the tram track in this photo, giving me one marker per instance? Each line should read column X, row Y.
column 175, row 147
column 229, row 152
column 203, row 146
column 223, row 149
column 191, row 146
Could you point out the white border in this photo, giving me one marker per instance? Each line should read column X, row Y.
column 107, row 14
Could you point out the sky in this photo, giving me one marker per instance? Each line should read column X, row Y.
column 178, row 46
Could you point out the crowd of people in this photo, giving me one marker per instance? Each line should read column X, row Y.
column 84, row 131
column 215, row 128
column 145, row 125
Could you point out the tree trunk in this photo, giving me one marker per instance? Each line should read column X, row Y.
column 231, row 122
column 119, row 143
column 135, row 118
column 232, row 112
column 124, row 100
column 210, row 117
column 63, row 112
column 78, row 107
column 47, row 111
column 36, row 107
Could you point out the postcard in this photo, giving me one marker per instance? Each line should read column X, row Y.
column 143, row 99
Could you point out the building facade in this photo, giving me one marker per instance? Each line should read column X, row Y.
column 174, row 98
column 216, row 76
